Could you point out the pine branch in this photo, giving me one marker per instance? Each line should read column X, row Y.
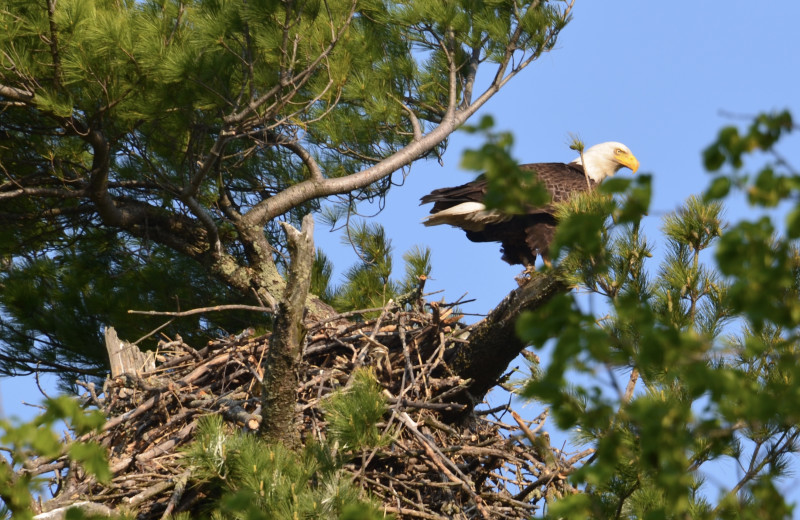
column 493, row 342
column 16, row 94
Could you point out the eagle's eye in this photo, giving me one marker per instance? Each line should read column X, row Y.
column 618, row 151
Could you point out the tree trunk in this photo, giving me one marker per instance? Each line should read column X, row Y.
column 279, row 389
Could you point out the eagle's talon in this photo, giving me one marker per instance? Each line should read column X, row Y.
column 525, row 276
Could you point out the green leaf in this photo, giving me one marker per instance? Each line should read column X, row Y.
column 615, row 185
column 93, row 458
column 636, row 203
column 793, row 223
column 720, row 188
column 713, row 158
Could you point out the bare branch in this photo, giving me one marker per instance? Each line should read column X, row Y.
column 306, row 157
column 208, row 223
column 203, row 310
column 493, row 342
column 634, row 377
column 413, row 119
column 311, row 189
column 17, row 94
column 448, row 46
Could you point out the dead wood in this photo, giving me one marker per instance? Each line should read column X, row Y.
column 279, row 388
column 489, row 464
column 124, row 357
column 493, row 342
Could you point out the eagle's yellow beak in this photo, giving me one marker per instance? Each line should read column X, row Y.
column 628, row 160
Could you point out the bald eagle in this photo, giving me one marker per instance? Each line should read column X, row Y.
column 528, row 235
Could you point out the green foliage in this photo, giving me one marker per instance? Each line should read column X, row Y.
column 775, row 180
column 248, row 478
column 709, row 339
column 352, row 413
column 158, row 134
column 36, row 438
column 732, row 146
column 57, row 302
column 368, row 284
column 321, row 273
column 585, row 245
column 510, row 189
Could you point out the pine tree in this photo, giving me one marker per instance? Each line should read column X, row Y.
column 162, row 144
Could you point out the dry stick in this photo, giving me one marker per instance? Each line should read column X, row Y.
column 400, row 499
column 342, row 316
column 359, row 359
column 452, row 391
column 540, row 420
column 379, row 348
column 422, row 379
column 546, row 478
column 551, row 475
column 578, row 456
column 585, row 169
column 153, row 490
column 93, row 398
column 524, row 427
column 512, row 501
column 403, row 387
column 404, row 512
column 154, row 331
column 165, row 446
column 438, row 458
column 389, row 305
column 216, row 308
column 442, row 407
column 180, row 485
column 631, row 385
column 406, row 355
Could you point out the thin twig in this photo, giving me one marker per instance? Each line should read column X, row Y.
column 217, row 308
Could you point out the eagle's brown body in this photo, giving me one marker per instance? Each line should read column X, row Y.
column 525, row 236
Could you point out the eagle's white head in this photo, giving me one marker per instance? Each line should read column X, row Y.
column 605, row 159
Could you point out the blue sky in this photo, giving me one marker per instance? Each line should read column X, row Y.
column 662, row 78
column 657, row 76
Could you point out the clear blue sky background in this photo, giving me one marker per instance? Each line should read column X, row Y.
column 656, row 76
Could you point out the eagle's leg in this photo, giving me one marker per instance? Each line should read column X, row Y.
column 527, row 274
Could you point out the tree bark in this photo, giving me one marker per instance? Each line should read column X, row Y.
column 279, row 388
column 493, row 342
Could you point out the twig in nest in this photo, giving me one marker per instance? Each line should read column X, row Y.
column 180, row 485
column 441, row 407
column 442, row 462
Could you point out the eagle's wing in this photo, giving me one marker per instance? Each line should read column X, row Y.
column 445, row 198
column 562, row 181
column 523, row 236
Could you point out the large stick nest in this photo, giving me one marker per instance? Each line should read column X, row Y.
column 449, row 460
